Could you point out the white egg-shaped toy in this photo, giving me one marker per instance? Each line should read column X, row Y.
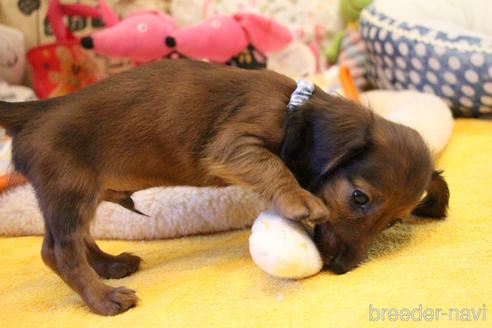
column 283, row 248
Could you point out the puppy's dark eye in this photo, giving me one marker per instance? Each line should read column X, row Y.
column 360, row 198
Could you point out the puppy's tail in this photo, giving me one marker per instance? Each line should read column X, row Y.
column 14, row 115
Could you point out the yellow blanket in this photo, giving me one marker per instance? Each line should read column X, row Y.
column 204, row 281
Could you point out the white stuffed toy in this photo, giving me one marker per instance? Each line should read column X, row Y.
column 283, row 248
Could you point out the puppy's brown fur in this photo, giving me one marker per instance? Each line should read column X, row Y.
column 190, row 123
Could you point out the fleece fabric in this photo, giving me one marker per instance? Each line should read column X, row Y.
column 210, row 281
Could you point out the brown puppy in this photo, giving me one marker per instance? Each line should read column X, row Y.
column 191, row 123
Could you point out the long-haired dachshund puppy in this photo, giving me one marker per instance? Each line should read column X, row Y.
column 325, row 159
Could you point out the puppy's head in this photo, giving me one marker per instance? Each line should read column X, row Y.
column 368, row 171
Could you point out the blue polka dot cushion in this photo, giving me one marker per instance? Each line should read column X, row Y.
column 436, row 46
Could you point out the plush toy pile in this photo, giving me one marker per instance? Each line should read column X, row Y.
column 240, row 40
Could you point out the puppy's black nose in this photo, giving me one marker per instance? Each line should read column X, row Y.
column 87, row 42
column 170, row 42
column 337, row 268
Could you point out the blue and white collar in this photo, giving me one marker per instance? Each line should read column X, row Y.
column 301, row 94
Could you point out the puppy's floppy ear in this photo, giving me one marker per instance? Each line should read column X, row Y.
column 435, row 203
column 322, row 135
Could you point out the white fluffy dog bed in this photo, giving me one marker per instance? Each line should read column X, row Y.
column 172, row 212
column 181, row 211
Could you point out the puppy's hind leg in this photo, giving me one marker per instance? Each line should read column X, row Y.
column 110, row 266
column 67, row 210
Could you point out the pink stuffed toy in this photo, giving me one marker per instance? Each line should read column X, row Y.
column 140, row 36
column 240, row 40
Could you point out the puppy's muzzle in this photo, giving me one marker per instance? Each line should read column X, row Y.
column 330, row 247
column 338, row 255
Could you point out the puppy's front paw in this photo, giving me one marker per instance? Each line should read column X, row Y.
column 302, row 206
